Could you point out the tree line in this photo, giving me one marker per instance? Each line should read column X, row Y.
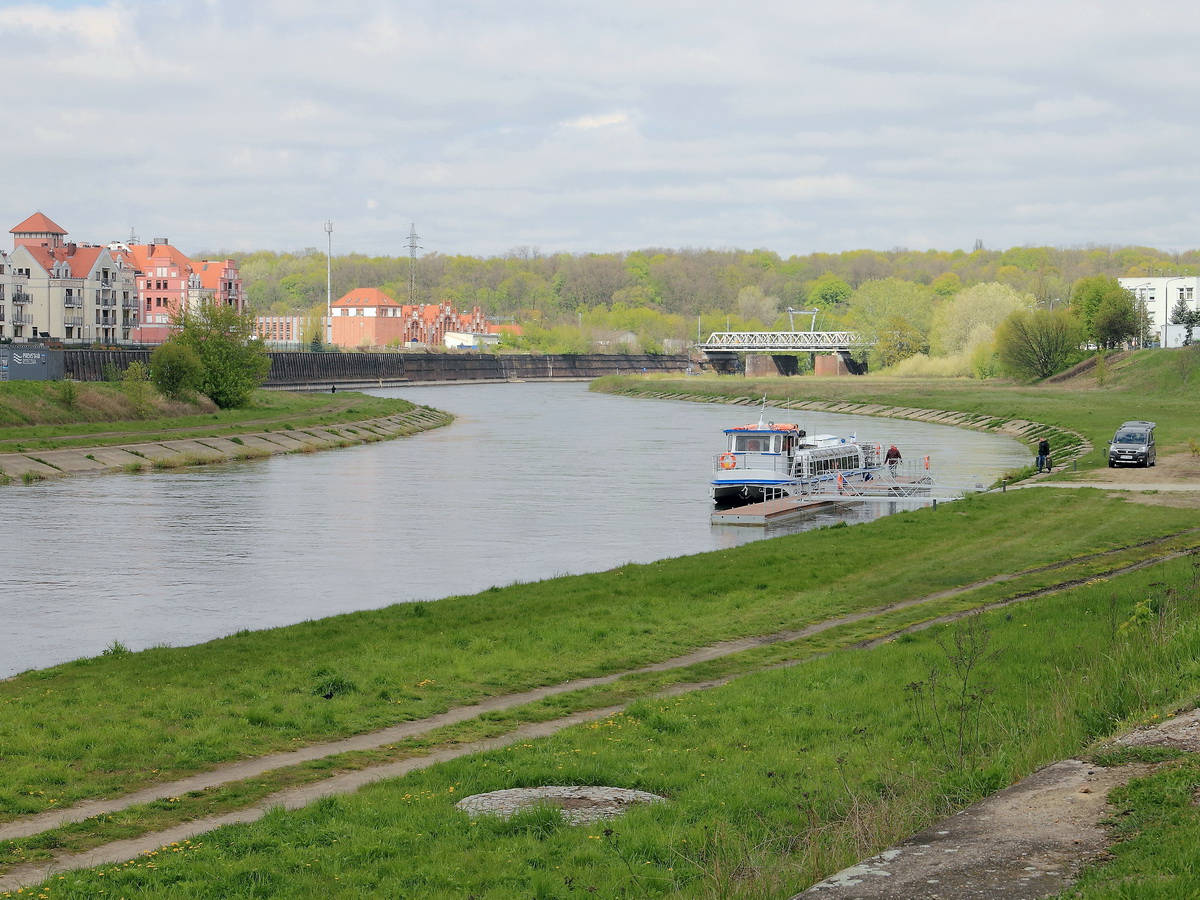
column 940, row 309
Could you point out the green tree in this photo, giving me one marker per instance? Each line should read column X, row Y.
column 235, row 362
column 1190, row 318
column 1115, row 320
column 136, row 385
column 176, row 370
column 898, row 313
column 753, row 304
column 1090, row 295
column 829, row 291
column 1037, row 343
column 972, row 316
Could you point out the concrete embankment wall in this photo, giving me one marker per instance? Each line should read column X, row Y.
column 319, row 371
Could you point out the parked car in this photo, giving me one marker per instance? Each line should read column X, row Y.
column 1132, row 445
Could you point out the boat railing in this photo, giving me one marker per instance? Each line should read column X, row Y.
column 749, row 459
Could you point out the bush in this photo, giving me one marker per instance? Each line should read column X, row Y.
column 136, row 385
column 176, row 370
column 234, row 361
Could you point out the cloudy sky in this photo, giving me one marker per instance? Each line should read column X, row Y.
column 793, row 125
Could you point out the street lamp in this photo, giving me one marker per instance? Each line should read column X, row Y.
column 1162, row 341
column 1140, row 293
column 328, row 329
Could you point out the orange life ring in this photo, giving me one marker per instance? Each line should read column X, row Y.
column 728, row 460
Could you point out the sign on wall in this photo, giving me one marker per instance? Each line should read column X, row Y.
column 20, row 364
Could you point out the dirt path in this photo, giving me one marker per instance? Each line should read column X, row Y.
column 1028, row 840
column 351, row 781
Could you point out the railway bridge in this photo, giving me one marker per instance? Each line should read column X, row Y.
column 722, row 348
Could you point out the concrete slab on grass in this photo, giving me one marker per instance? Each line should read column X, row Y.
column 72, row 462
column 259, row 442
column 283, row 443
column 16, row 465
column 194, row 447
column 115, row 457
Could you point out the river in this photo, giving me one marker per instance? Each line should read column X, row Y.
column 531, row 481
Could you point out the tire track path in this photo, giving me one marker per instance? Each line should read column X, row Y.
column 348, row 782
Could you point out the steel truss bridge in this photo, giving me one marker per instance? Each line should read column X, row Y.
column 785, row 341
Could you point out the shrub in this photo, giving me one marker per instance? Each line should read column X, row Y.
column 234, row 361
column 176, row 370
column 136, row 385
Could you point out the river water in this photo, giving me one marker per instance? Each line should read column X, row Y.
column 531, row 481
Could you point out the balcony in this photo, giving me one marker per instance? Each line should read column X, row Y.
column 22, row 298
column 1, row 313
column 73, row 320
column 128, row 303
column 107, row 301
column 72, row 301
column 22, row 319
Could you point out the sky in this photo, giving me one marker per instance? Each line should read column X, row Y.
column 564, row 126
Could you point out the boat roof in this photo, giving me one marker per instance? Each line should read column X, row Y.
column 768, row 428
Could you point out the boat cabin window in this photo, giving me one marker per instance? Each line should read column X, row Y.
column 756, row 443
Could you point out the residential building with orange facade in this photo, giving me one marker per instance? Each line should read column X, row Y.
column 368, row 317
column 169, row 280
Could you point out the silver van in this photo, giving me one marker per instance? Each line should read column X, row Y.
column 1132, row 445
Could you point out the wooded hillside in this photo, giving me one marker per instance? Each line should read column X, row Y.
column 527, row 284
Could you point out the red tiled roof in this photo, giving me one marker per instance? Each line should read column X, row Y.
column 365, row 297
column 38, row 223
column 80, row 263
column 146, row 256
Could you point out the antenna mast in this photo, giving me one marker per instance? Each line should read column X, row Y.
column 413, row 247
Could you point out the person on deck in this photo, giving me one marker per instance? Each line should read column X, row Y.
column 892, row 457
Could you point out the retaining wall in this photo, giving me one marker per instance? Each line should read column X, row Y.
column 313, row 371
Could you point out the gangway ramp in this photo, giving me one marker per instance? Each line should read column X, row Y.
column 914, row 482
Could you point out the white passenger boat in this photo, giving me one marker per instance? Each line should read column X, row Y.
column 772, row 460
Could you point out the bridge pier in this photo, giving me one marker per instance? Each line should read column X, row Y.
column 839, row 363
column 759, row 365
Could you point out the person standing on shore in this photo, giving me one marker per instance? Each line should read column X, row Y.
column 1043, row 455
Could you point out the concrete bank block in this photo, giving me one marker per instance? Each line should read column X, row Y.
column 16, row 465
column 284, row 443
column 152, row 452
column 72, row 462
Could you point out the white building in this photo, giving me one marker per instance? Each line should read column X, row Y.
column 9, row 287
column 1158, row 296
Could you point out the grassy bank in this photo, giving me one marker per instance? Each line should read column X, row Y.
column 96, row 726
column 1158, row 385
column 42, row 415
column 771, row 781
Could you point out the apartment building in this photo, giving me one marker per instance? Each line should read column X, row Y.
column 75, row 292
column 119, row 293
column 8, row 289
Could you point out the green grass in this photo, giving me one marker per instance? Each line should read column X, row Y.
column 772, row 781
column 107, row 725
column 1159, row 385
column 1156, row 821
column 30, row 416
